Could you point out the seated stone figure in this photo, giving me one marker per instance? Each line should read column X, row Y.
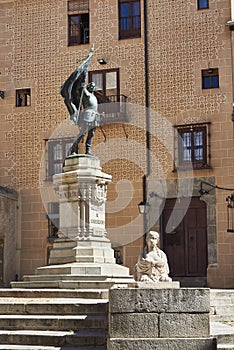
column 154, row 266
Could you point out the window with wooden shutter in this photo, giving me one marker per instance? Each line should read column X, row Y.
column 78, row 22
column 192, row 146
column 129, row 19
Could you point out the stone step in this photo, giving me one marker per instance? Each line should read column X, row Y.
column 49, row 319
column 78, row 278
column 223, row 339
column 55, row 293
column 70, row 284
column 221, row 318
column 221, row 305
column 35, row 347
column 85, row 269
column 53, row 322
column 223, row 347
column 58, row 306
column 222, row 309
column 53, row 338
column 224, row 334
column 221, row 296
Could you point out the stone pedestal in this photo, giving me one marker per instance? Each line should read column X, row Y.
column 158, row 319
column 82, row 189
column 82, row 257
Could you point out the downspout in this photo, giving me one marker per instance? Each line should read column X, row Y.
column 147, row 120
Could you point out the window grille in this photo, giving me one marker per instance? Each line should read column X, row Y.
column 192, row 148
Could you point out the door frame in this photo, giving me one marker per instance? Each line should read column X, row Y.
column 210, row 200
column 186, row 243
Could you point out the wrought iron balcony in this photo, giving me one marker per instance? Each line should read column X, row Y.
column 114, row 108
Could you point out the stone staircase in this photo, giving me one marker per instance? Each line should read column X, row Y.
column 53, row 319
column 69, row 319
column 222, row 317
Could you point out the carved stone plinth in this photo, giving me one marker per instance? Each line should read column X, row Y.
column 82, row 257
column 81, row 189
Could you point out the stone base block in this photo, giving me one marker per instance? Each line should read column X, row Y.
column 182, row 300
column 189, row 325
column 159, row 319
column 162, row 344
column 94, row 251
column 62, row 252
column 134, row 325
column 165, row 325
column 65, row 251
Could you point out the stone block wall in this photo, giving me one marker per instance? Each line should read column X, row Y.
column 9, row 236
column 159, row 319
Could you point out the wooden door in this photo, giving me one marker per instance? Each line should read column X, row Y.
column 185, row 243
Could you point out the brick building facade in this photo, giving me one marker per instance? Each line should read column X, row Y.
column 173, row 93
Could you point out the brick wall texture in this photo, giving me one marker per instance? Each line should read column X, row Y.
column 181, row 42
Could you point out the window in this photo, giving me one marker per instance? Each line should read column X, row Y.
column 57, row 152
column 210, row 78
column 106, row 85
column 202, row 4
column 107, row 91
column 129, row 19
column 23, row 98
column 192, row 146
column 78, row 22
column 53, row 221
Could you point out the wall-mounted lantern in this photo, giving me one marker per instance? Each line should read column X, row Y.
column 230, row 213
column 144, row 206
column 230, row 201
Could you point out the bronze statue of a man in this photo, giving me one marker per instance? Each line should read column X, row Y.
column 77, row 95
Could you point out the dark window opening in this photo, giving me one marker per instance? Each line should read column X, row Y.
column 129, row 19
column 53, row 221
column 202, row 4
column 78, row 22
column 23, row 97
column 210, row 78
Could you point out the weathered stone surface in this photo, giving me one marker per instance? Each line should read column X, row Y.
column 184, row 325
column 159, row 300
column 162, row 344
column 135, row 325
column 157, row 285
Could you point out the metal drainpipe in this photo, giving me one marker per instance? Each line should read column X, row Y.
column 147, row 120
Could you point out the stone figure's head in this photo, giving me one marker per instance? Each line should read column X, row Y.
column 91, row 86
column 152, row 240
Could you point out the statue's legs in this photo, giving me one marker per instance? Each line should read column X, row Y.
column 83, row 130
column 89, row 140
column 74, row 147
